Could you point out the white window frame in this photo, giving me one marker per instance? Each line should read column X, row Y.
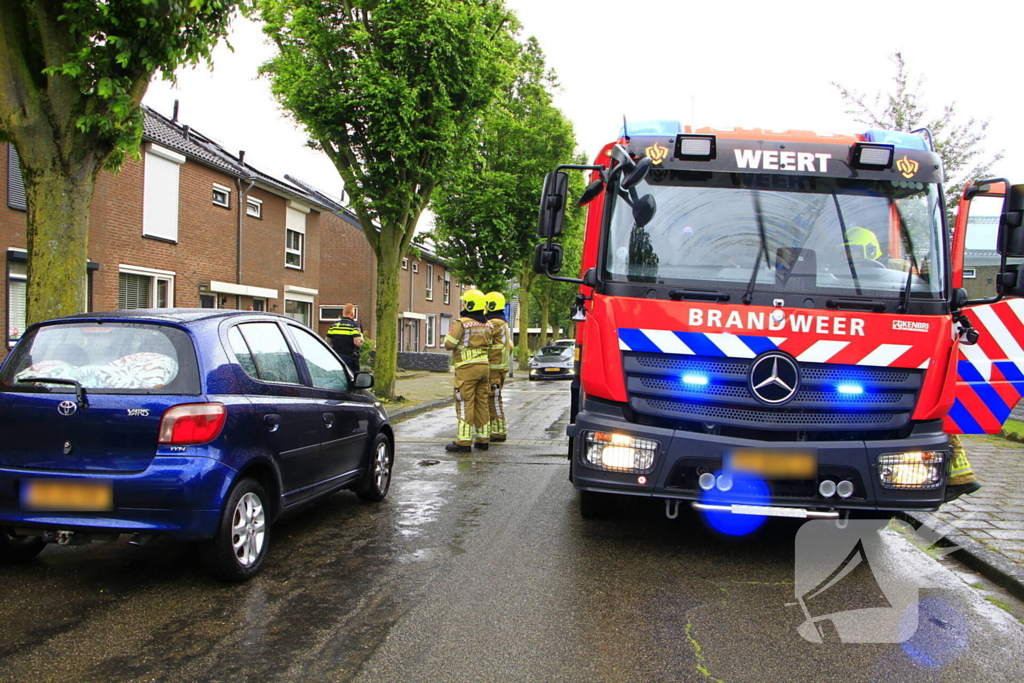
column 295, row 221
column 226, row 191
column 14, row 320
column 970, row 273
column 431, row 330
column 157, row 277
column 415, row 266
column 405, row 264
column 291, row 251
column 339, row 307
column 254, row 207
column 430, row 282
column 160, row 193
column 447, row 287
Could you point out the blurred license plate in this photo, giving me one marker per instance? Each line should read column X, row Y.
column 774, row 464
column 67, row 495
column 552, row 369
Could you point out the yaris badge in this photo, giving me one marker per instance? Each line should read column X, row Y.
column 67, row 408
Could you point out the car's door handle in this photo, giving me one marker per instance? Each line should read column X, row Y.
column 273, row 422
column 329, row 419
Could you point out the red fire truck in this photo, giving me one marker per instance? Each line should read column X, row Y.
column 776, row 324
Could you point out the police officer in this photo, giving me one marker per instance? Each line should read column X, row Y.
column 501, row 346
column 346, row 336
column 469, row 340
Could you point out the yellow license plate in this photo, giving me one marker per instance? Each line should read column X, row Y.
column 552, row 369
column 774, row 464
column 65, row 495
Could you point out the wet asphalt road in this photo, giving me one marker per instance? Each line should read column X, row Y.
column 479, row 568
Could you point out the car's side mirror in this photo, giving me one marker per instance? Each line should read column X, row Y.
column 364, row 380
column 547, row 259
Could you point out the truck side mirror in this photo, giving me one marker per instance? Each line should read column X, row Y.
column 1011, row 233
column 552, row 204
column 547, row 259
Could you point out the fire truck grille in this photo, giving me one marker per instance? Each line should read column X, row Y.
column 693, row 392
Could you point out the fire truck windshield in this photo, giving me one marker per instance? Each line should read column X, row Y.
column 835, row 236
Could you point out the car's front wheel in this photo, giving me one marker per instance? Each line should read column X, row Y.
column 15, row 547
column 236, row 553
column 377, row 481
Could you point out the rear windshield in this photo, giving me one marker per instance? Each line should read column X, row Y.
column 110, row 358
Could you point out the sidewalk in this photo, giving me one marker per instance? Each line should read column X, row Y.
column 988, row 525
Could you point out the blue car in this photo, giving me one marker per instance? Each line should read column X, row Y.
column 202, row 425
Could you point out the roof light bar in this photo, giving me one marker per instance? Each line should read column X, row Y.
column 872, row 156
column 696, row 147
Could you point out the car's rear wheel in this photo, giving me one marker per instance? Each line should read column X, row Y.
column 15, row 547
column 236, row 553
column 377, row 481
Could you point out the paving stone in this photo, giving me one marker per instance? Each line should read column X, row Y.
column 1007, row 534
column 971, row 524
column 1001, row 524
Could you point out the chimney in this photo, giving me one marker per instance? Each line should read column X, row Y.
column 174, row 116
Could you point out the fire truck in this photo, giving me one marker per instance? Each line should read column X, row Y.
column 776, row 323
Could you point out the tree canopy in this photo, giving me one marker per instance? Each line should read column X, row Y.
column 391, row 91
column 72, row 77
column 959, row 143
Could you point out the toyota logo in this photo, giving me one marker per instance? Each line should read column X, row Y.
column 67, row 407
column 774, row 378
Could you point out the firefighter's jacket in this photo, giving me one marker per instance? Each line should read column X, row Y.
column 342, row 336
column 469, row 340
column 501, row 343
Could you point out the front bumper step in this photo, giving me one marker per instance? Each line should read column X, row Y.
column 768, row 511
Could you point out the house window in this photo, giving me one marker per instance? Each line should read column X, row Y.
column 415, row 266
column 15, row 184
column 447, row 287
column 430, row 283
column 207, row 301
column 298, row 310
column 221, row 196
column 160, row 194
column 254, row 207
column 970, row 273
column 259, row 304
column 330, row 314
column 431, row 327
column 293, row 249
column 405, row 264
column 17, row 287
column 145, row 288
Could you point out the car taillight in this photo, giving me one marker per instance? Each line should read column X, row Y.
column 192, row 423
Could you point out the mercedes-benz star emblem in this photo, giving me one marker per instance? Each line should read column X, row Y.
column 67, row 407
column 774, row 378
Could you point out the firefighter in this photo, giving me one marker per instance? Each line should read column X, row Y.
column 501, row 346
column 469, row 340
column 962, row 480
column 346, row 336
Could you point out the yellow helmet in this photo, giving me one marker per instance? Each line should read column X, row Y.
column 866, row 243
column 473, row 300
column 495, row 301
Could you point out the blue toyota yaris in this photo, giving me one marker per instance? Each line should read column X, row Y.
column 202, row 425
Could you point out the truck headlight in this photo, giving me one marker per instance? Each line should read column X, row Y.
column 620, row 452
column 915, row 471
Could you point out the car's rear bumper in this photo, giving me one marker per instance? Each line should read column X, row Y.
column 180, row 497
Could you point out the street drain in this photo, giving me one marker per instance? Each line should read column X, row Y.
column 428, row 463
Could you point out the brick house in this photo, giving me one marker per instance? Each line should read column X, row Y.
column 192, row 225
column 428, row 301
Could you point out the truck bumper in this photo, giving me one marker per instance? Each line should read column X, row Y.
column 682, row 456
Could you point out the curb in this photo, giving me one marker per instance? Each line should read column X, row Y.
column 399, row 414
column 988, row 563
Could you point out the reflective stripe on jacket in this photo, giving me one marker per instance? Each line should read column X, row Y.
column 501, row 344
column 469, row 340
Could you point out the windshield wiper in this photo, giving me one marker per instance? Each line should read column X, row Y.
column 83, row 403
column 762, row 250
column 908, row 247
column 846, row 246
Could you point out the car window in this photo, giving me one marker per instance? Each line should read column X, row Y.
column 242, row 353
column 552, row 351
column 326, row 371
column 108, row 358
column 271, row 358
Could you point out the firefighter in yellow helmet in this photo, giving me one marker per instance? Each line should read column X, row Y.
column 862, row 243
column 469, row 340
column 500, row 351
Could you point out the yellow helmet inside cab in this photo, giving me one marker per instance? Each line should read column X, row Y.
column 473, row 301
column 495, row 301
column 863, row 243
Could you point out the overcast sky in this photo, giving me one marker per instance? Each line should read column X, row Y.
column 736, row 64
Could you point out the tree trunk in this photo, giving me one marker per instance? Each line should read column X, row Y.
column 545, row 321
column 58, row 241
column 525, row 281
column 389, row 259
